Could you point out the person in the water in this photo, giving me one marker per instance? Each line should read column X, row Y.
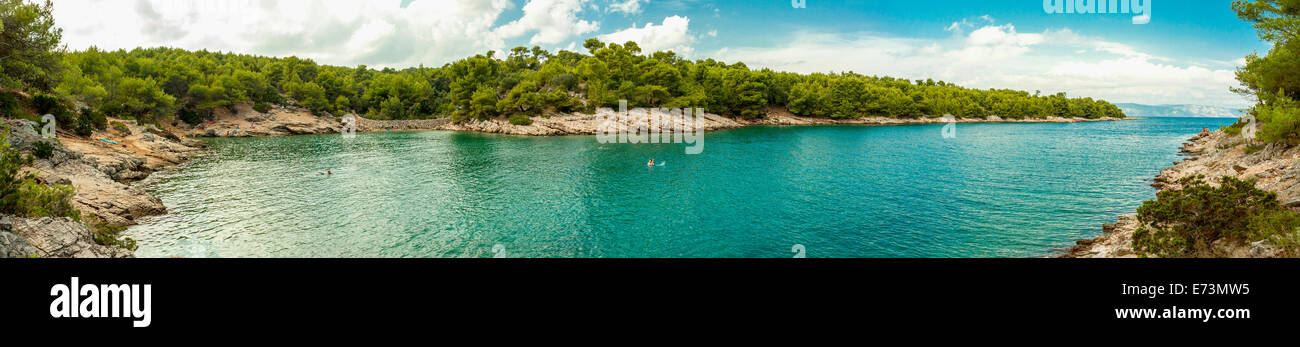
column 652, row 162
column 327, row 172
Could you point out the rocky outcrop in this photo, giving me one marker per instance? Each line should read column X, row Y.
column 1116, row 243
column 1274, row 167
column 53, row 238
column 243, row 121
column 96, row 169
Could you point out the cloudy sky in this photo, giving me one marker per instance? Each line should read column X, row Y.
column 1185, row 55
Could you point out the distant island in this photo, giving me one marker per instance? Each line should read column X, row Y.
column 1140, row 110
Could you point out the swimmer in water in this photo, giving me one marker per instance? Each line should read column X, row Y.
column 652, row 162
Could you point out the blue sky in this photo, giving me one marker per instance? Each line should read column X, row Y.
column 1185, row 55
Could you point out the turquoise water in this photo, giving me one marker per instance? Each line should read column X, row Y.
column 996, row 190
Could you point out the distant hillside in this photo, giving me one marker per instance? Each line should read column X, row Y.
column 1139, row 110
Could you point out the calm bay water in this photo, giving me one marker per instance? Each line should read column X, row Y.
column 996, row 190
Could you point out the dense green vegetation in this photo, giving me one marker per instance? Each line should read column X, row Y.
column 1274, row 79
column 30, row 52
column 153, row 84
column 1189, row 221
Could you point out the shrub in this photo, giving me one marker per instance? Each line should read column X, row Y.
column 121, row 128
column 262, row 107
column 46, row 104
column 10, row 107
column 89, row 120
column 110, row 235
column 520, row 119
column 41, row 200
column 43, row 149
column 1234, row 129
column 1271, row 224
column 26, row 196
column 10, row 162
column 1187, row 222
column 190, row 116
column 1279, row 122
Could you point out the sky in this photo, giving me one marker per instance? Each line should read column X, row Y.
column 1186, row 54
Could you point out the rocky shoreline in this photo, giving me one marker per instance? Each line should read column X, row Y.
column 1275, row 168
column 281, row 121
column 99, row 172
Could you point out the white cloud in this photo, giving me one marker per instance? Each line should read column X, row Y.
column 673, row 34
column 998, row 56
column 627, row 6
column 959, row 27
column 1003, row 36
column 375, row 32
column 553, row 20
